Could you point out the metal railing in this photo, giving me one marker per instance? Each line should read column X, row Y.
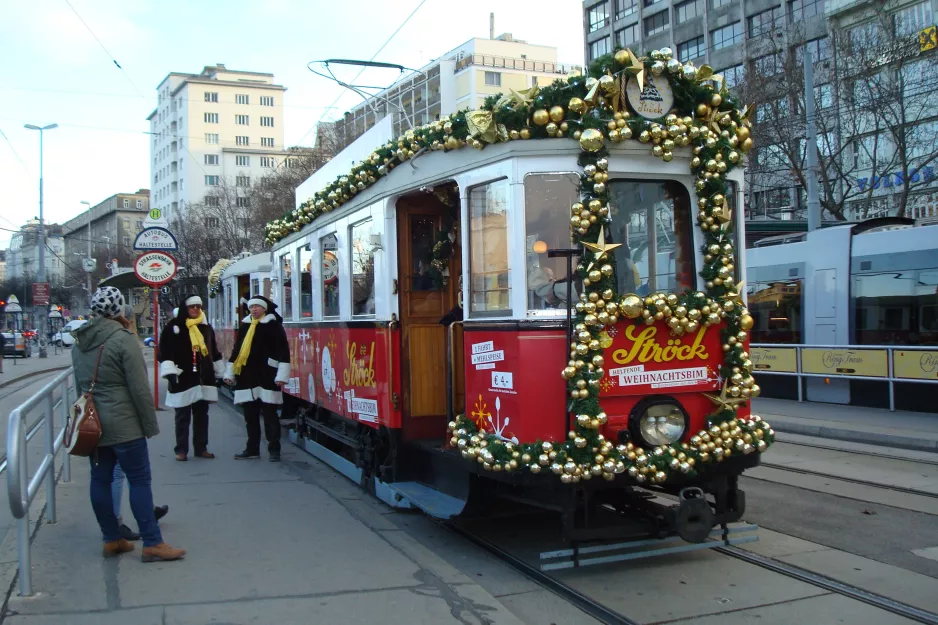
column 875, row 363
column 22, row 488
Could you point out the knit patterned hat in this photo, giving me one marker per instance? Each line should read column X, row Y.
column 107, row 302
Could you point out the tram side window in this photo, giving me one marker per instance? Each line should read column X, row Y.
column 776, row 309
column 546, row 196
column 896, row 307
column 489, row 290
column 306, row 281
column 652, row 220
column 286, row 287
column 363, row 269
column 330, row 275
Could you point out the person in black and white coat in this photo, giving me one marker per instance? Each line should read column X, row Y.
column 259, row 368
column 190, row 361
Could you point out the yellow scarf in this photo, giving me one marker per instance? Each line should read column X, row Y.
column 242, row 358
column 198, row 341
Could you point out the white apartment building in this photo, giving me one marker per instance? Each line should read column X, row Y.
column 217, row 127
column 461, row 78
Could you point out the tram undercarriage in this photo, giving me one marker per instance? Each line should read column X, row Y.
column 426, row 475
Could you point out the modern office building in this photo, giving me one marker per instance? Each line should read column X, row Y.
column 854, row 44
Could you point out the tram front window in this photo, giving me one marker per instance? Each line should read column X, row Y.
column 653, row 222
column 545, row 196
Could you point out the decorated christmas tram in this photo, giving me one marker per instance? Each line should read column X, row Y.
column 540, row 300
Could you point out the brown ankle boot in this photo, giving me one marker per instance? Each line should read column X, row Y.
column 161, row 552
column 116, row 547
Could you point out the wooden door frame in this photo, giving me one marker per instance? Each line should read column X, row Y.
column 420, row 204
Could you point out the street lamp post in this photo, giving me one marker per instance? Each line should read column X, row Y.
column 42, row 244
column 88, row 262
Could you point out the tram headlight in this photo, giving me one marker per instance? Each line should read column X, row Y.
column 658, row 422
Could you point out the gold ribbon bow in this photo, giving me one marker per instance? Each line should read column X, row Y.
column 482, row 126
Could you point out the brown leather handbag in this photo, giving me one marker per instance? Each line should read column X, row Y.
column 83, row 427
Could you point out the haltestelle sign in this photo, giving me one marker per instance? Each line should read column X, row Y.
column 155, row 268
column 155, row 238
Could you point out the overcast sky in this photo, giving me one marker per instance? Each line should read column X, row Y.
column 54, row 71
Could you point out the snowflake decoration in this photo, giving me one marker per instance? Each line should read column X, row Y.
column 480, row 413
column 612, row 331
column 608, row 383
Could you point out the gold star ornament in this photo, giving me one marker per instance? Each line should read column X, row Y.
column 725, row 401
column 636, row 68
column 600, row 248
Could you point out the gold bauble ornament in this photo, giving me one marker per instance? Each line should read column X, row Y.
column 591, row 140
column 667, row 156
column 576, row 105
column 525, row 133
column 551, row 128
column 607, row 83
column 540, row 117
column 746, row 145
column 716, row 100
column 742, row 133
column 703, row 110
column 556, row 114
column 621, row 57
column 746, row 322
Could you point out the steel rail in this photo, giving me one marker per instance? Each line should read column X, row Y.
column 841, row 588
column 596, row 610
column 850, row 480
column 860, row 452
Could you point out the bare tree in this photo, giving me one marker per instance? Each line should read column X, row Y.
column 230, row 220
column 875, row 118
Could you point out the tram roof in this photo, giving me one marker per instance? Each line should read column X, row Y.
column 434, row 168
column 256, row 263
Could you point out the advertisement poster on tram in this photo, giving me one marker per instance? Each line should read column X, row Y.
column 642, row 359
column 345, row 370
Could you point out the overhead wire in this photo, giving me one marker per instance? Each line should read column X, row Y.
column 100, row 43
column 362, row 70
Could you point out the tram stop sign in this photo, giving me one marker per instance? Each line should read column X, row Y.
column 155, row 268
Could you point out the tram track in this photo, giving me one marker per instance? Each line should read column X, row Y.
column 604, row 614
column 849, row 480
column 847, row 590
column 590, row 606
column 861, row 452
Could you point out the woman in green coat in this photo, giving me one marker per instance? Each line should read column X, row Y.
column 128, row 418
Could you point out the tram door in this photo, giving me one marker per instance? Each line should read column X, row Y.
column 423, row 304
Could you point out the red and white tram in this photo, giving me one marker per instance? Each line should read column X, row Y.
column 425, row 293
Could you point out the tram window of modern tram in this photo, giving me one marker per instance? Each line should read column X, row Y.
column 544, row 196
column 652, row 220
column 330, row 275
column 896, row 307
column 776, row 308
column 286, row 286
column 306, row 281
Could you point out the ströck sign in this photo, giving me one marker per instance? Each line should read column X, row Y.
column 156, row 238
column 155, row 268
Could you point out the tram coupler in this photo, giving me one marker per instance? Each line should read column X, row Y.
column 694, row 518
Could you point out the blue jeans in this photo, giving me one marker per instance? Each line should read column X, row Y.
column 117, row 489
column 134, row 459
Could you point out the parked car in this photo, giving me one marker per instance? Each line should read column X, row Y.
column 16, row 344
column 64, row 338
